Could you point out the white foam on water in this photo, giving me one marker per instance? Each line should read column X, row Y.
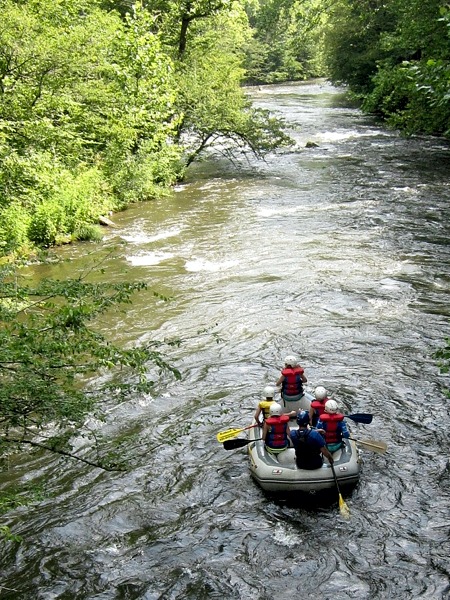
column 149, row 259
column 286, row 536
column 198, row 264
column 141, row 237
column 273, row 212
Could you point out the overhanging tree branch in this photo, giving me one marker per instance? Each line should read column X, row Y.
column 62, row 453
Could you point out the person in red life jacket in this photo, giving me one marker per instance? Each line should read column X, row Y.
column 333, row 426
column 291, row 380
column 317, row 407
column 276, row 433
column 309, row 444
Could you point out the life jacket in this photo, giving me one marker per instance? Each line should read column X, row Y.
column 319, row 409
column 265, row 405
column 276, row 434
column 330, row 423
column 292, row 384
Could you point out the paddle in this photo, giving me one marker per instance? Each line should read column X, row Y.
column 231, row 433
column 374, row 445
column 360, row 417
column 342, row 506
column 233, row 444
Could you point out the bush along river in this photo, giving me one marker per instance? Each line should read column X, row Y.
column 338, row 253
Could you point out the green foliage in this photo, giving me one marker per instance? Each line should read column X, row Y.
column 93, row 105
column 413, row 97
column 23, row 496
column 177, row 18
column 140, row 157
column 443, row 356
column 46, row 222
column 88, row 233
column 83, row 94
column 7, row 535
column 352, row 41
column 215, row 111
column 145, row 174
column 14, row 497
column 396, row 56
column 84, row 197
column 286, row 44
column 48, row 343
column 14, row 222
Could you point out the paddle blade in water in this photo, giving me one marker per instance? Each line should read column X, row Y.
column 233, row 444
column 374, row 445
column 365, row 418
column 345, row 512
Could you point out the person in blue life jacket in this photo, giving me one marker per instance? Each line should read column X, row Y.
column 309, row 444
column 317, row 407
column 264, row 406
column 291, row 380
column 276, row 433
column 333, row 426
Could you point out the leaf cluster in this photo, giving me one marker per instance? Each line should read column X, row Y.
column 48, row 348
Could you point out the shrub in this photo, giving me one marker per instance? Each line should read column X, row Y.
column 146, row 174
column 413, row 96
column 14, row 222
column 47, row 223
column 88, row 233
column 84, row 197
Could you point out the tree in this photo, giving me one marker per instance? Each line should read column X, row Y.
column 212, row 104
column 96, row 108
column 353, row 41
column 175, row 17
column 286, row 44
column 49, row 345
column 86, row 117
column 412, row 93
column 396, row 57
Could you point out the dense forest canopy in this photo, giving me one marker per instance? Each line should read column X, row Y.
column 100, row 108
column 106, row 103
column 396, row 56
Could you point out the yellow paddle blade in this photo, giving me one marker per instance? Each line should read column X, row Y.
column 345, row 512
column 229, row 434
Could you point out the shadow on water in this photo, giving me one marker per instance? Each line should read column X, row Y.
column 320, row 501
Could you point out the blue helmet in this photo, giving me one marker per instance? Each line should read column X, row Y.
column 303, row 417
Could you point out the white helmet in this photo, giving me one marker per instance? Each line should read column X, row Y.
column 331, row 406
column 275, row 409
column 269, row 391
column 290, row 361
column 320, row 392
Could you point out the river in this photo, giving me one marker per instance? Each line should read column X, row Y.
column 338, row 253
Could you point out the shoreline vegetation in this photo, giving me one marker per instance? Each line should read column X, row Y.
column 102, row 108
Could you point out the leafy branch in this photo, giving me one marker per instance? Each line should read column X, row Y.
column 48, row 343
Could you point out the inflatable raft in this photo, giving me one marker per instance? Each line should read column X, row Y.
column 279, row 473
